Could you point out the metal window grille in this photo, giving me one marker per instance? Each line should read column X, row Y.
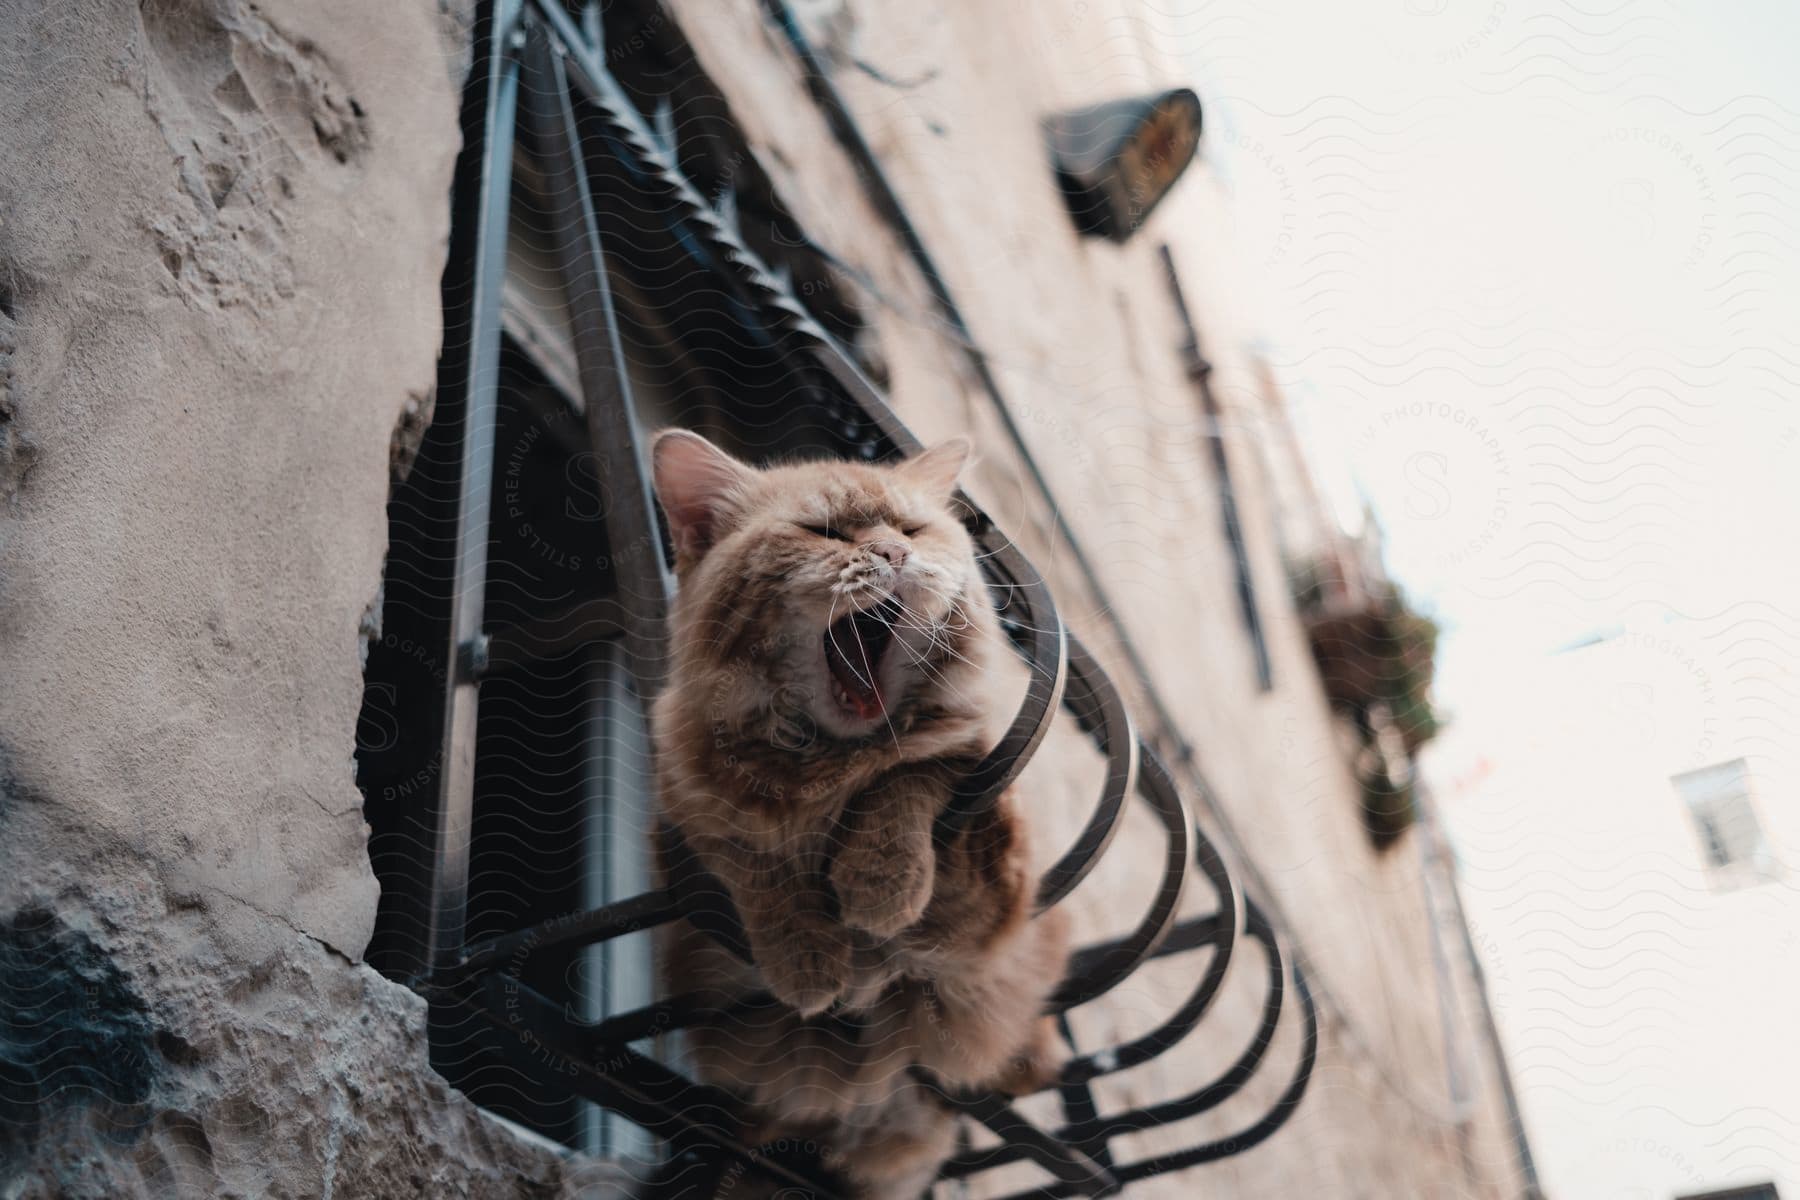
column 540, row 967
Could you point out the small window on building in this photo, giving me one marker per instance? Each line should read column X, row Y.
column 1755, row 1191
column 1733, row 846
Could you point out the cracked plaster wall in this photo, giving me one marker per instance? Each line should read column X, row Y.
column 222, row 226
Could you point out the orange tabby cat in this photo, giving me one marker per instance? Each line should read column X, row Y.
column 831, row 638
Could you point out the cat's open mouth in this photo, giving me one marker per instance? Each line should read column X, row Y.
column 854, row 648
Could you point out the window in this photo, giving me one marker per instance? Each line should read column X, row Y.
column 560, row 752
column 598, row 284
column 1733, row 847
column 1756, row 1191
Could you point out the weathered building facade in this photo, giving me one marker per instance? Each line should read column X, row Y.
column 223, row 300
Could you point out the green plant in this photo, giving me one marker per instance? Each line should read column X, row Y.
column 1377, row 658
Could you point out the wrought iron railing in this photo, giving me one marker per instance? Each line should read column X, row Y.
column 546, row 74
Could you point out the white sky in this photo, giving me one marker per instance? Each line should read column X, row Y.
column 1535, row 266
column 1532, row 275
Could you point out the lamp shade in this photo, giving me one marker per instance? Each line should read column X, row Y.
column 1116, row 160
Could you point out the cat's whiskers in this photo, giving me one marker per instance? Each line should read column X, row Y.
column 933, row 641
column 942, row 630
column 868, row 667
column 937, row 635
column 936, row 641
column 942, row 681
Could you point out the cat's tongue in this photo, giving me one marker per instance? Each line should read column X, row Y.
column 854, row 647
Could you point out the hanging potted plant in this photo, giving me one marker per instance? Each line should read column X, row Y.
column 1376, row 657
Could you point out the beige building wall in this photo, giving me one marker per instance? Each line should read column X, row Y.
column 1084, row 341
column 222, row 229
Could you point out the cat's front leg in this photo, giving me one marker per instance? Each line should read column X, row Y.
column 803, row 955
column 885, row 864
column 982, row 1022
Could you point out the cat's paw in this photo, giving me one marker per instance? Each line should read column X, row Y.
column 808, row 969
column 883, row 889
column 1037, row 1064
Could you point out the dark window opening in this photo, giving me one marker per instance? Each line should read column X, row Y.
column 562, row 793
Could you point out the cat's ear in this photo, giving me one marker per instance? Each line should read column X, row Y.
column 941, row 466
column 700, row 487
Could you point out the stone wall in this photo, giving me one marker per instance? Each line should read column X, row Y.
column 222, row 226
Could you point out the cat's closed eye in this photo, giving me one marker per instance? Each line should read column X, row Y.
column 825, row 531
column 913, row 530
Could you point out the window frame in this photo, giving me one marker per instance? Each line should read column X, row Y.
column 1714, row 796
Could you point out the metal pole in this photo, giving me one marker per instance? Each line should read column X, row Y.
column 1200, row 370
column 456, row 794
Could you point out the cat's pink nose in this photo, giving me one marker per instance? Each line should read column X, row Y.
column 894, row 552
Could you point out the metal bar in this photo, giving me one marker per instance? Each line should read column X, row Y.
column 1098, row 709
column 643, row 1090
column 693, row 1174
column 652, row 1020
column 641, row 580
column 704, row 901
column 1232, row 1080
column 1237, row 1143
column 1078, row 1174
column 641, row 576
column 1221, row 930
column 643, row 911
column 1119, row 960
column 1084, row 1124
column 1102, row 1129
column 587, row 70
column 1200, row 370
column 1217, row 930
column 1274, row 1119
column 1078, row 1103
column 456, row 795
column 1046, row 653
column 676, row 1012
column 583, row 624
column 619, row 974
